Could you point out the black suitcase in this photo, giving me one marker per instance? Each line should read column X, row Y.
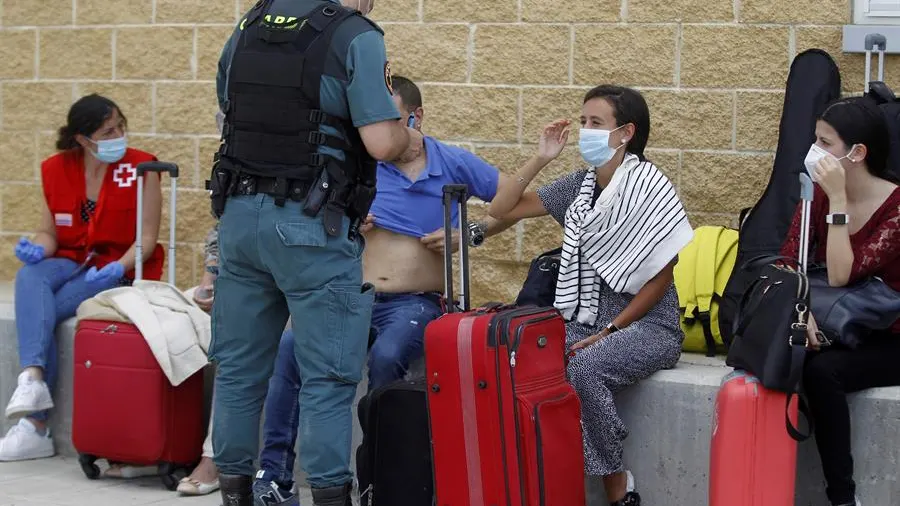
column 393, row 463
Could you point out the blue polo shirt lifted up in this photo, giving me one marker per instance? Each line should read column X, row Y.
column 415, row 208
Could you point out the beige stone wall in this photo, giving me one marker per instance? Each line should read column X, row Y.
column 492, row 73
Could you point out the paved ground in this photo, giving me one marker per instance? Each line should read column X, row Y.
column 60, row 482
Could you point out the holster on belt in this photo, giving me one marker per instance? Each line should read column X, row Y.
column 220, row 186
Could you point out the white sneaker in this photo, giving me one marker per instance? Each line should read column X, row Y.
column 23, row 442
column 30, row 397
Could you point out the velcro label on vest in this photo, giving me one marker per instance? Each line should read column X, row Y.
column 63, row 219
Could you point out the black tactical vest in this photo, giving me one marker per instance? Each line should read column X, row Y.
column 273, row 110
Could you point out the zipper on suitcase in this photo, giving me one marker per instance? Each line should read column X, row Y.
column 492, row 332
column 518, row 338
column 495, row 337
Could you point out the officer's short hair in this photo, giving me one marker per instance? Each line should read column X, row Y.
column 407, row 91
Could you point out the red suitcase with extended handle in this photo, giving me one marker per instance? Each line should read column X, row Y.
column 505, row 423
column 125, row 409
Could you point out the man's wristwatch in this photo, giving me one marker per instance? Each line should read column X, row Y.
column 837, row 219
column 476, row 233
column 611, row 328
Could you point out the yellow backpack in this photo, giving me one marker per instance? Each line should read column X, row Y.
column 702, row 272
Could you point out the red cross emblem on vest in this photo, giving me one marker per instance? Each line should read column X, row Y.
column 125, row 175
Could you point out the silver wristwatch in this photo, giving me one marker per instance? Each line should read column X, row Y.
column 476, row 233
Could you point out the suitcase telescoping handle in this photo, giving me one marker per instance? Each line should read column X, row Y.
column 876, row 42
column 806, row 197
column 456, row 193
column 158, row 167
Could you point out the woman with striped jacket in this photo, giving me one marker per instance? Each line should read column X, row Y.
column 624, row 226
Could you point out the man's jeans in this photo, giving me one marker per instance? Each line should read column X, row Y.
column 47, row 293
column 276, row 261
column 399, row 322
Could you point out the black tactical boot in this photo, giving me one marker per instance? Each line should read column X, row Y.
column 333, row 496
column 237, row 490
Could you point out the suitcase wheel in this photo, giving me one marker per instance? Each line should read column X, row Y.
column 89, row 467
column 167, row 473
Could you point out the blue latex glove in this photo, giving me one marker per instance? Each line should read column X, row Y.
column 108, row 275
column 28, row 252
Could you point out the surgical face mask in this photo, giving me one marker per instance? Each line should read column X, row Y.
column 815, row 154
column 594, row 146
column 110, row 150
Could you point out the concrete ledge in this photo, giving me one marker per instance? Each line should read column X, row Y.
column 669, row 418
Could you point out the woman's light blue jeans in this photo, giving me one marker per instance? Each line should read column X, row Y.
column 47, row 293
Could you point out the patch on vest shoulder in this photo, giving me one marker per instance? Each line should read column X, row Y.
column 388, row 81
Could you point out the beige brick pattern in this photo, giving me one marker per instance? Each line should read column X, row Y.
column 734, row 56
column 209, row 48
column 194, row 11
column 572, row 11
column 805, row 12
column 472, row 11
column 169, row 58
column 84, row 53
column 114, row 12
column 17, row 54
column 521, row 54
column 492, row 75
column 686, row 11
column 396, row 10
column 445, row 47
column 17, row 150
column 37, row 12
column 630, row 56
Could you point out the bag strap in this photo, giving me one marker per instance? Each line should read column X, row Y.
column 802, row 409
column 704, row 281
column 798, row 341
column 762, row 260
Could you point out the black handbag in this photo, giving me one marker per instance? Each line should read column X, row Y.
column 539, row 288
column 847, row 314
column 770, row 331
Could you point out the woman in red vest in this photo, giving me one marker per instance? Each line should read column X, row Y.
column 85, row 244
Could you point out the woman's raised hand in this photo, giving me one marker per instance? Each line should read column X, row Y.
column 553, row 139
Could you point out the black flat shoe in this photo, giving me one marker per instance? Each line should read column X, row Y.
column 630, row 499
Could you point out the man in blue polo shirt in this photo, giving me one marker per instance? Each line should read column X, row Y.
column 403, row 258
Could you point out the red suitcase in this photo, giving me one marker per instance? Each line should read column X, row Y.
column 124, row 408
column 752, row 459
column 753, row 451
column 505, row 423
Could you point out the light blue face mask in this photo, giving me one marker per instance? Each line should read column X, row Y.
column 110, row 150
column 594, row 146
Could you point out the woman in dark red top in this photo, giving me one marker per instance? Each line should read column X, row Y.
column 84, row 245
column 855, row 231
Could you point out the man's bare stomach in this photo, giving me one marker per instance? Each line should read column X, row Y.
column 397, row 263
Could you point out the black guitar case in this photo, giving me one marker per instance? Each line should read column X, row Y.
column 890, row 106
column 813, row 82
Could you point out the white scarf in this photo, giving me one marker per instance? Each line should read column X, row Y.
column 637, row 226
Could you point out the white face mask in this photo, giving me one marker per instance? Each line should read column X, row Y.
column 815, row 154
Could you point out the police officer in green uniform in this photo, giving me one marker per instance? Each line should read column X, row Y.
column 305, row 88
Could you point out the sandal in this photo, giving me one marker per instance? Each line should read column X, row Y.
column 190, row 486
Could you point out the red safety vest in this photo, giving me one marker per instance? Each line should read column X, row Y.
column 111, row 230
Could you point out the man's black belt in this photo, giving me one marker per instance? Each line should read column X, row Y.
column 251, row 185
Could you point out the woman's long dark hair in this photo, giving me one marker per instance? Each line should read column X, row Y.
column 86, row 116
column 859, row 120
